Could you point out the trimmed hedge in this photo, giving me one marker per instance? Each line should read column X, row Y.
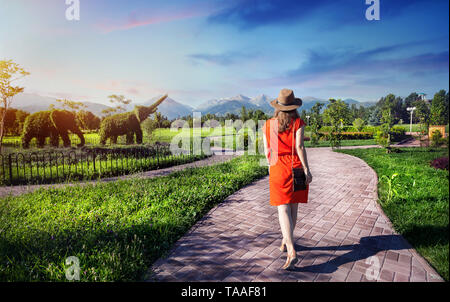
column 349, row 135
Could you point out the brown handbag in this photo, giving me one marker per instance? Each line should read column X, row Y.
column 298, row 175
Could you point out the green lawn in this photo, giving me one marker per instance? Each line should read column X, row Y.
column 116, row 229
column 419, row 210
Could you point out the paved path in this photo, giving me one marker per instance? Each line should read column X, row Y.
column 341, row 234
column 214, row 159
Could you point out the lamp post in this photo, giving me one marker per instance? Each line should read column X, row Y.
column 411, row 109
column 307, row 120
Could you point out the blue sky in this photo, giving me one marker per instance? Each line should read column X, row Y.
column 206, row 49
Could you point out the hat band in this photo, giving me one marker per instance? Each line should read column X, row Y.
column 284, row 104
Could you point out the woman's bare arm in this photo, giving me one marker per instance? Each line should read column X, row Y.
column 301, row 151
column 266, row 147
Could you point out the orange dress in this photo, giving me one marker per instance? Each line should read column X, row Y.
column 280, row 172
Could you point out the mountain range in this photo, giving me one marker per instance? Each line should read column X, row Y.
column 173, row 109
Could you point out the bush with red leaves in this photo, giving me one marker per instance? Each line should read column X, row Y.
column 440, row 163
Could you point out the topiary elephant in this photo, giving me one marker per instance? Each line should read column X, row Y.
column 128, row 123
column 53, row 124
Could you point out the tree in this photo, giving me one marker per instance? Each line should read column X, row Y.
column 395, row 104
column 336, row 114
column 303, row 114
column 14, row 120
column 88, row 120
column 439, row 108
column 409, row 102
column 70, row 105
column 358, row 124
column 388, row 105
column 316, row 122
column 120, row 102
column 10, row 72
column 244, row 115
column 422, row 112
column 375, row 116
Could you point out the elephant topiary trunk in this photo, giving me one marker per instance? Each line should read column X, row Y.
column 128, row 123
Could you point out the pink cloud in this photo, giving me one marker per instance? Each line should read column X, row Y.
column 133, row 21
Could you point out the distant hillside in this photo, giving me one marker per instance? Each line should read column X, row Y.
column 234, row 105
column 173, row 109
column 261, row 102
column 33, row 103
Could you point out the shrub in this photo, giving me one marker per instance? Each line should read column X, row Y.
column 436, row 138
column 351, row 135
column 398, row 133
column 440, row 163
column 382, row 139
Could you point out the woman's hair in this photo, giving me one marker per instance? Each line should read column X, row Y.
column 285, row 118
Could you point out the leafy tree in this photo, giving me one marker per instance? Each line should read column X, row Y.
column 14, row 120
column 244, row 115
column 358, row 124
column 70, row 105
column 357, row 111
column 439, row 108
column 375, row 116
column 316, row 122
column 336, row 114
column 389, row 104
column 120, row 102
column 303, row 114
column 423, row 112
column 409, row 101
column 88, row 120
column 395, row 104
column 10, row 72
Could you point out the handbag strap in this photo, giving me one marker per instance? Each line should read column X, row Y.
column 293, row 141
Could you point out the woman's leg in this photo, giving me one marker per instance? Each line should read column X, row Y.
column 284, row 215
column 293, row 212
column 294, row 209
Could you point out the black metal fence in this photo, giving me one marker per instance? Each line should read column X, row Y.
column 88, row 163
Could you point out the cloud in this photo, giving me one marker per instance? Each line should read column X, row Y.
column 359, row 67
column 249, row 14
column 224, row 59
column 138, row 19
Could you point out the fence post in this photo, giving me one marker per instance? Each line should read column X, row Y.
column 157, row 156
column 10, row 167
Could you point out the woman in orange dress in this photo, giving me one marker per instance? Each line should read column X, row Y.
column 284, row 148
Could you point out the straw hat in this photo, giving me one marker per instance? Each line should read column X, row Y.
column 286, row 101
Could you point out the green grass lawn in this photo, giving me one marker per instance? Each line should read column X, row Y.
column 419, row 210
column 116, row 229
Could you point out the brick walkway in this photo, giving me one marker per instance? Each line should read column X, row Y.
column 217, row 157
column 341, row 234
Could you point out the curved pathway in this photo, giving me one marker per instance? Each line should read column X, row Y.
column 341, row 234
